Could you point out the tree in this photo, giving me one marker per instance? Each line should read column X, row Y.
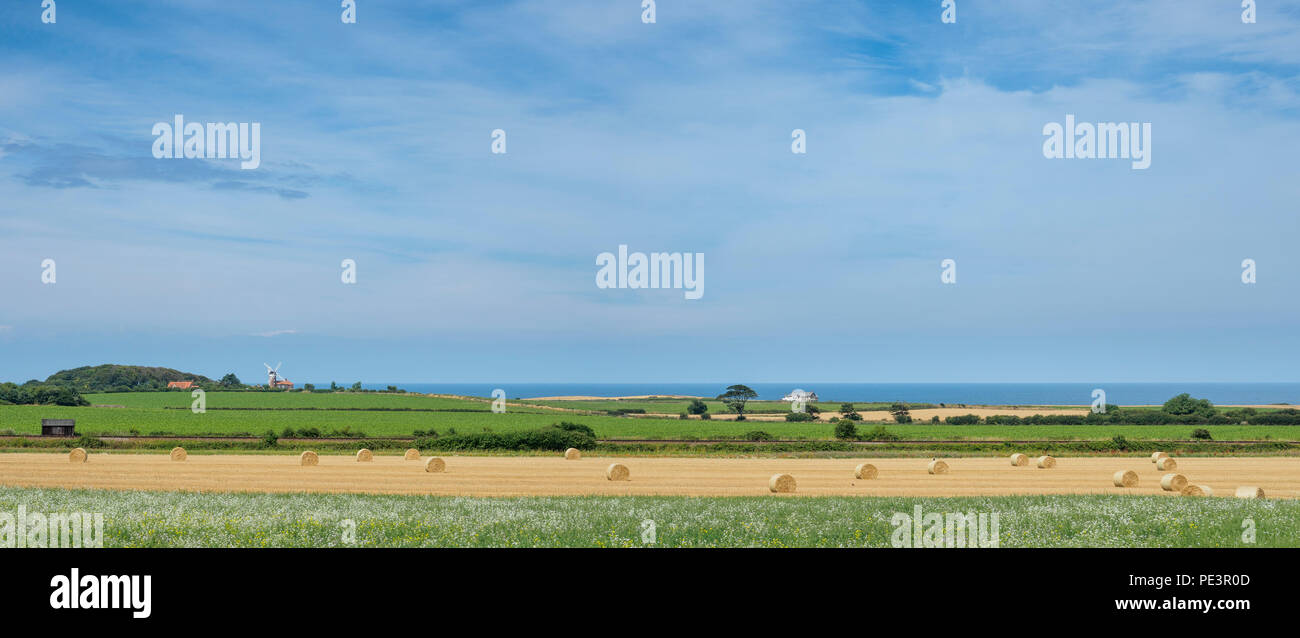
column 310, row 387
column 846, row 429
column 356, row 387
column 230, row 381
column 900, row 412
column 849, row 413
column 697, row 407
column 1184, row 404
column 736, row 396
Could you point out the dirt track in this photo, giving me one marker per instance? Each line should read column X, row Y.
column 520, row 476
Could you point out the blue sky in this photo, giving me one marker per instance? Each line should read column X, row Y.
column 924, row 144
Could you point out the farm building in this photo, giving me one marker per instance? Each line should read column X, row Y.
column 58, row 427
column 180, row 385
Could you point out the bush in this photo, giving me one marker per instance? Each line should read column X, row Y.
column 1120, row 442
column 575, row 427
column 901, row 412
column 964, row 419
column 740, row 417
column 846, row 429
column 270, row 439
column 758, row 435
column 798, row 417
column 879, row 433
column 423, row 433
column 1184, row 404
column 706, row 416
column 1202, row 433
column 682, row 417
column 87, row 442
column 697, row 407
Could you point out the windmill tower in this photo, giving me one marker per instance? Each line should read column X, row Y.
column 272, row 374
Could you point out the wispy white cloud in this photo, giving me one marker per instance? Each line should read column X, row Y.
column 274, row 333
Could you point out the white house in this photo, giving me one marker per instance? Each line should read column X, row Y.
column 798, row 395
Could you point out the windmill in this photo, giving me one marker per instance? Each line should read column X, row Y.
column 272, row 374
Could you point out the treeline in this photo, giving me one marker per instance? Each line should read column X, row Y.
column 1180, row 410
column 1287, row 416
column 557, row 437
column 37, row 393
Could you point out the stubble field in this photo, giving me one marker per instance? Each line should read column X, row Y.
column 661, row 476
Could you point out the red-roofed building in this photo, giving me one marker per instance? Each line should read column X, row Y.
column 182, row 385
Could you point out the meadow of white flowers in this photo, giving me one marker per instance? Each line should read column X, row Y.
column 181, row 519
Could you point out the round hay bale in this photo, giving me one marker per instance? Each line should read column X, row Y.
column 77, row 455
column 937, row 467
column 435, row 464
column 412, row 455
column 178, row 454
column 865, row 471
column 1125, row 478
column 617, row 472
column 364, row 456
column 1173, row 482
column 1019, row 460
column 1197, row 490
column 1156, row 456
column 308, row 458
column 1046, row 462
column 781, row 483
column 1250, row 491
column 1166, row 463
column 572, row 454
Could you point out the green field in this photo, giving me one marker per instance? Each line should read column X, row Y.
column 145, row 421
column 379, row 415
column 677, row 406
column 179, row 519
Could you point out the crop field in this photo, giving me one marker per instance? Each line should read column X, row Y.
column 377, row 415
column 189, row 519
column 555, row 476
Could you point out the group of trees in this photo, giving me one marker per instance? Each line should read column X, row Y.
column 37, row 393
